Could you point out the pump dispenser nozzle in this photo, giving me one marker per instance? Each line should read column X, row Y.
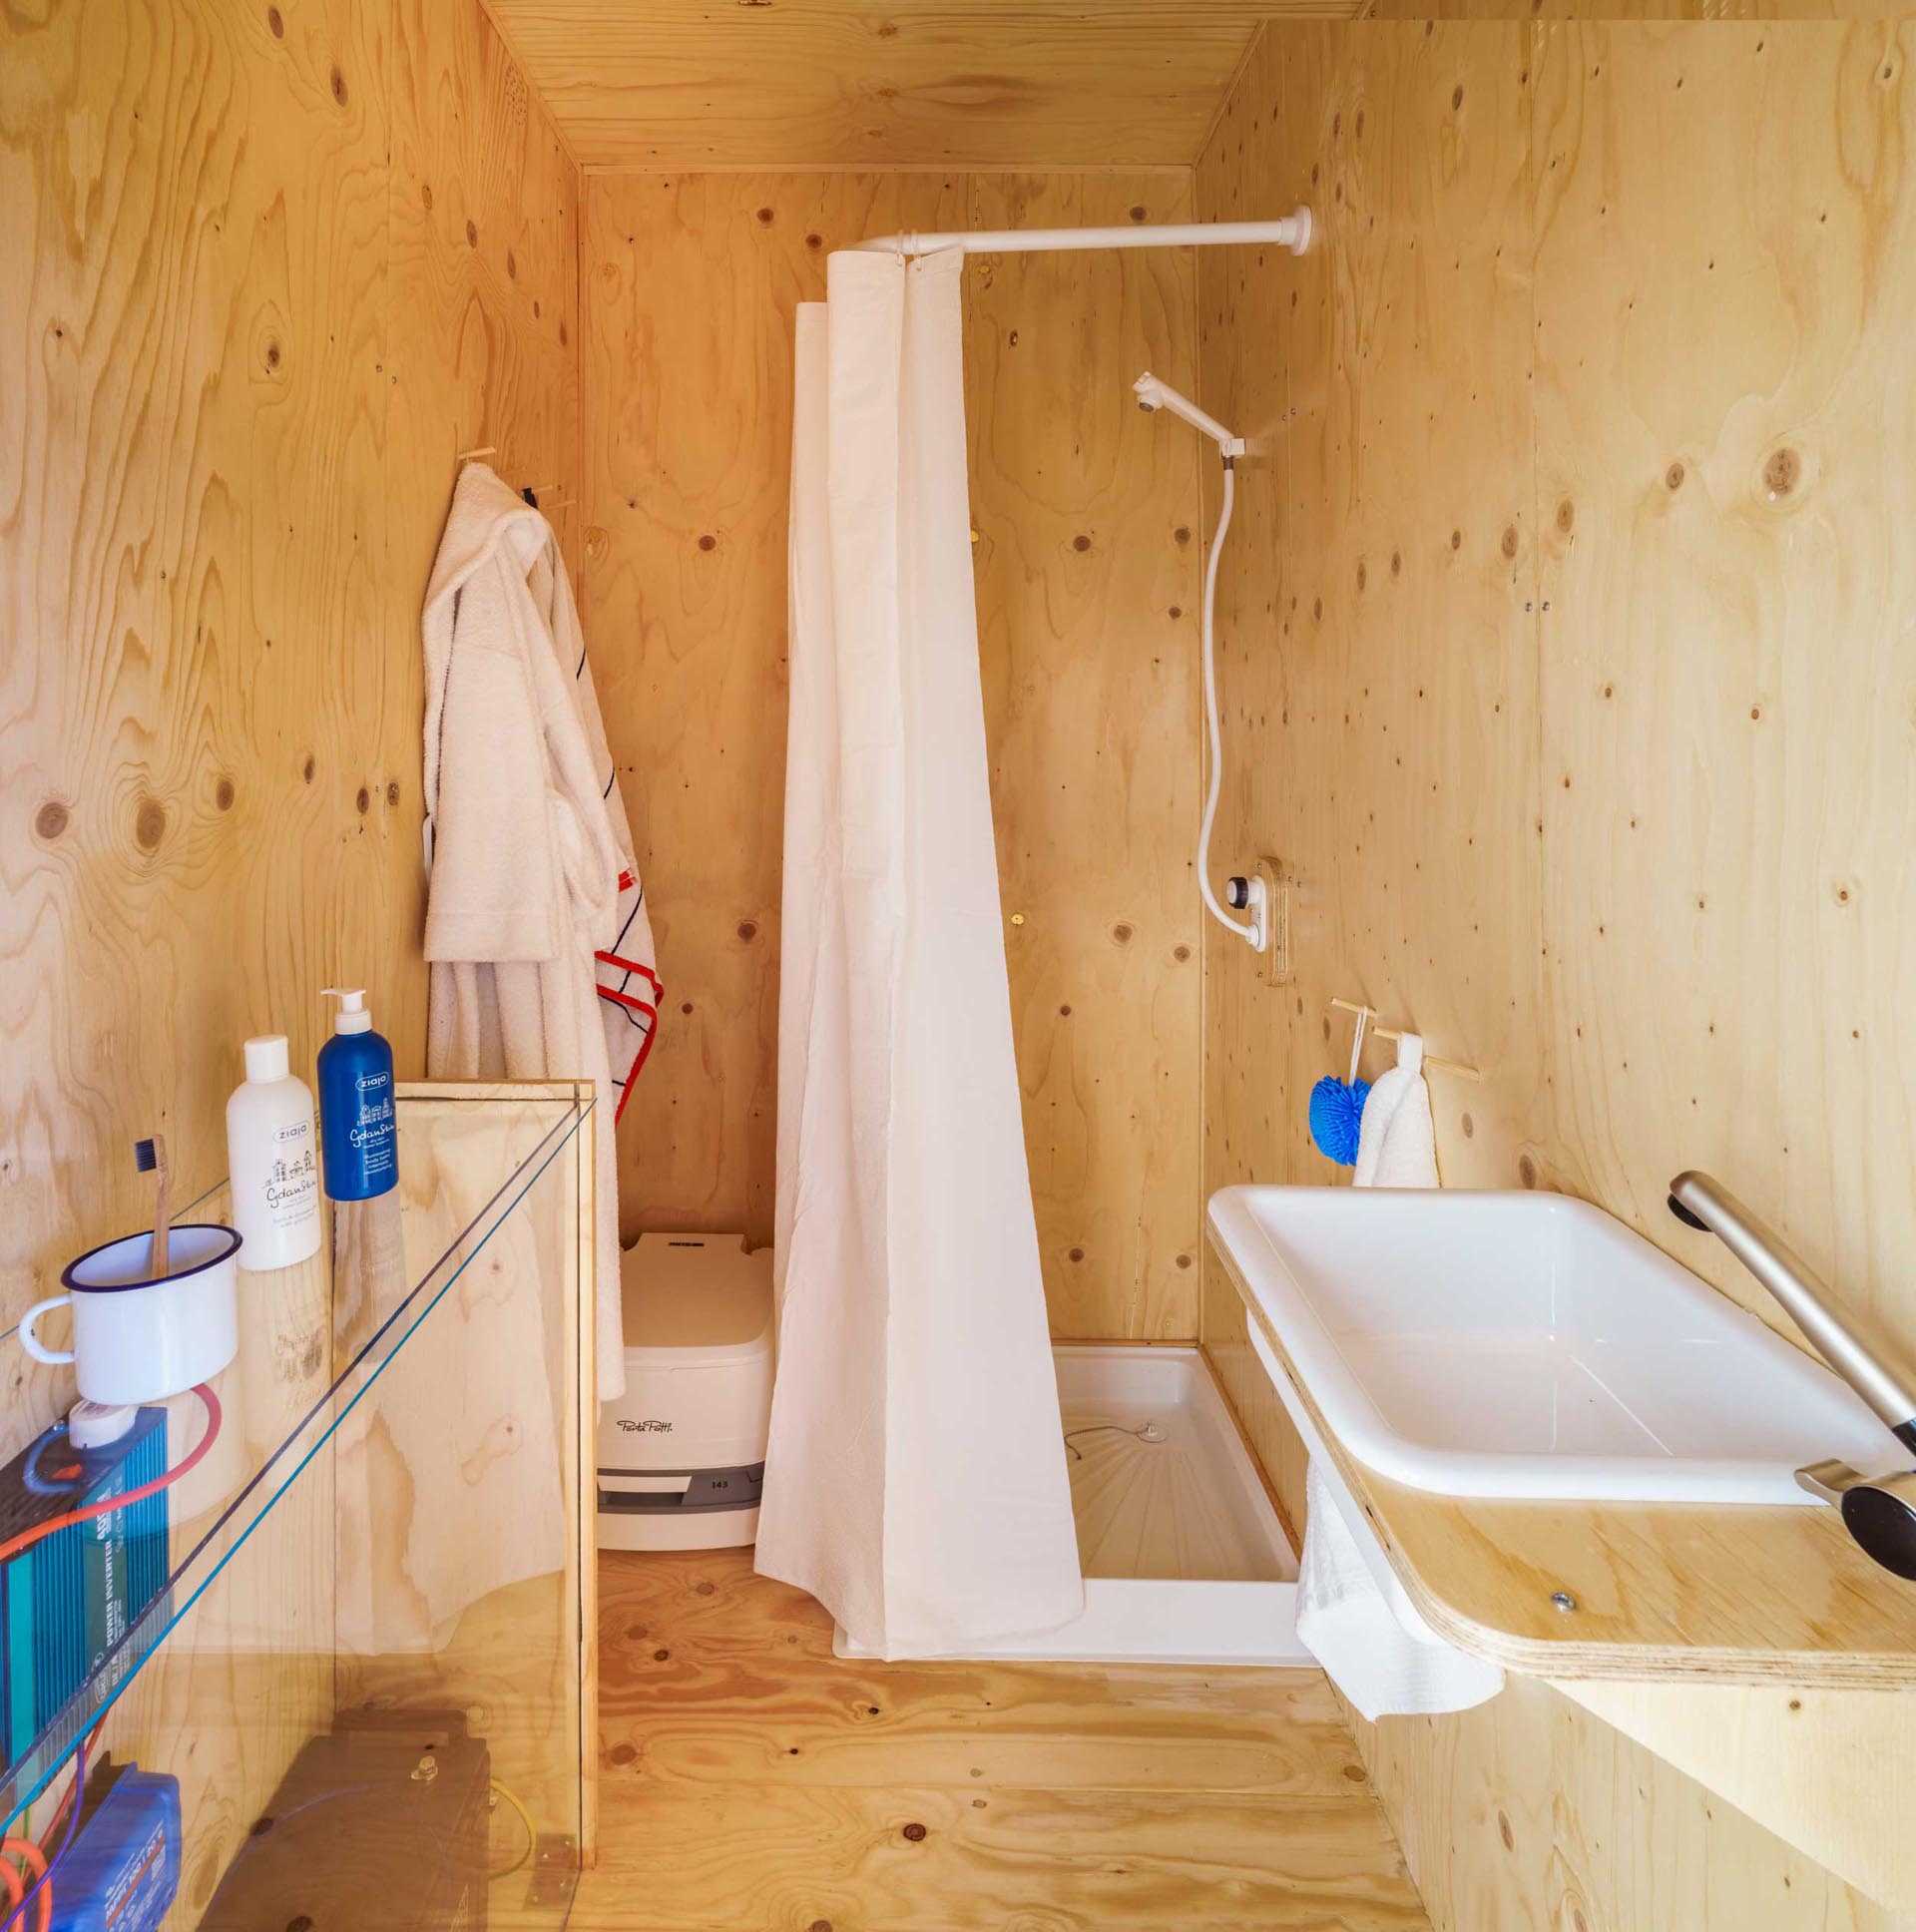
column 352, row 1016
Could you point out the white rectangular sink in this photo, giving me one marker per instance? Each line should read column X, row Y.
column 1529, row 1345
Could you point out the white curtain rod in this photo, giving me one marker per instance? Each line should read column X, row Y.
column 1292, row 233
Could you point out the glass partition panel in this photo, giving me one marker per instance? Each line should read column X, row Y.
column 318, row 1663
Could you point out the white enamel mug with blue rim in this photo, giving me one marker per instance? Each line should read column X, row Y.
column 135, row 1339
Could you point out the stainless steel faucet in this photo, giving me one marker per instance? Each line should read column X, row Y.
column 1878, row 1511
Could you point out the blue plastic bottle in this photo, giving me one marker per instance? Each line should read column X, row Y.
column 358, row 1151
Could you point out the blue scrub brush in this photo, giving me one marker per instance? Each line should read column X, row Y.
column 1338, row 1107
column 1336, row 1113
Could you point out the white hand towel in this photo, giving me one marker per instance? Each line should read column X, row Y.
column 1373, row 1656
column 1365, row 1633
column 1396, row 1141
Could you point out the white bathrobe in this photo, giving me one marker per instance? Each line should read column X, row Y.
column 536, row 928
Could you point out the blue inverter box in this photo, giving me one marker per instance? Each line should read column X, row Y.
column 123, row 1872
column 67, row 1599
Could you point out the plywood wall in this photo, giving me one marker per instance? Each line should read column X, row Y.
column 1573, row 625
column 268, row 268
column 1087, row 554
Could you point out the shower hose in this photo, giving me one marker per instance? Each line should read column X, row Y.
column 1243, row 929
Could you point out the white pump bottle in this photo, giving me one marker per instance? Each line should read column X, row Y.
column 272, row 1159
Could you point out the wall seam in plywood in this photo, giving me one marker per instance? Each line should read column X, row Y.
column 552, row 121
column 1227, row 93
column 952, row 171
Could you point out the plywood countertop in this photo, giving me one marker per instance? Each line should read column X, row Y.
column 1705, row 1593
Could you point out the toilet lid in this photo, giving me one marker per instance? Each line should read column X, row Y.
column 696, row 1294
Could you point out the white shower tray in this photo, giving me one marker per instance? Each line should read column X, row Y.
column 1185, row 1559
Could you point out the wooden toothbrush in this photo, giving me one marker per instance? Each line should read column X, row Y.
column 150, row 1157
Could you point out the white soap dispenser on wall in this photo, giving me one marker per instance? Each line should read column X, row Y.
column 272, row 1159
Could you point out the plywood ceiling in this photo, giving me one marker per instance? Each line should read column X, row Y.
column 858, row 84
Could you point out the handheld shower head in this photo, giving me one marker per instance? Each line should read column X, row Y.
column 1153, row 394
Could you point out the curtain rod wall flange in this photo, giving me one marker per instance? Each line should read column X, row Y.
column 1293, row 232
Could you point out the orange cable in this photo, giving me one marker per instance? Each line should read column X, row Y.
column 36, row 1861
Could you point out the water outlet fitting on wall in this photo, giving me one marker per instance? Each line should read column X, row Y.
column 1266, row 895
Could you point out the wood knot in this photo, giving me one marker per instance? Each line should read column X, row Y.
column 1456, row 98
column 1396, row 563
column 223, row 795
column 425, row 196
column 1183, row 1260
column 1505, row 1833
column 1064, row 1011
column 1510, row 540
column 1470, row 1128
column 1782, row 473
column 309, row 767
column 150, row 824
column 814, row 240
column 622, row 1754
column 1527, row 1173
column 1456, row 540
column 1081, row 542
column 51, row 820
column 1176, row 610
column 1137, row 214
column 274, row 24
column 392, row 793
column 1075, row 1255
column 339, row 87
column 915, row 1833
column 748, row 930
column 362, row 801
column 1181, row 953
column 1674, row 477
column 1317, row 609
column 1121, row 933
column 1363, row 576
column 766, row 218
column 1566, row 515
column 512, row 267
column 1181, row 535
column 472, row 234
column 708, row 542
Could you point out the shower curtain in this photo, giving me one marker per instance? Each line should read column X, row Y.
column 915, row 1481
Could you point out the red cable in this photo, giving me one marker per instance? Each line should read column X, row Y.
column 27, row 1538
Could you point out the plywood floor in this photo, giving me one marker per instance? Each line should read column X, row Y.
column 751, row 1780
